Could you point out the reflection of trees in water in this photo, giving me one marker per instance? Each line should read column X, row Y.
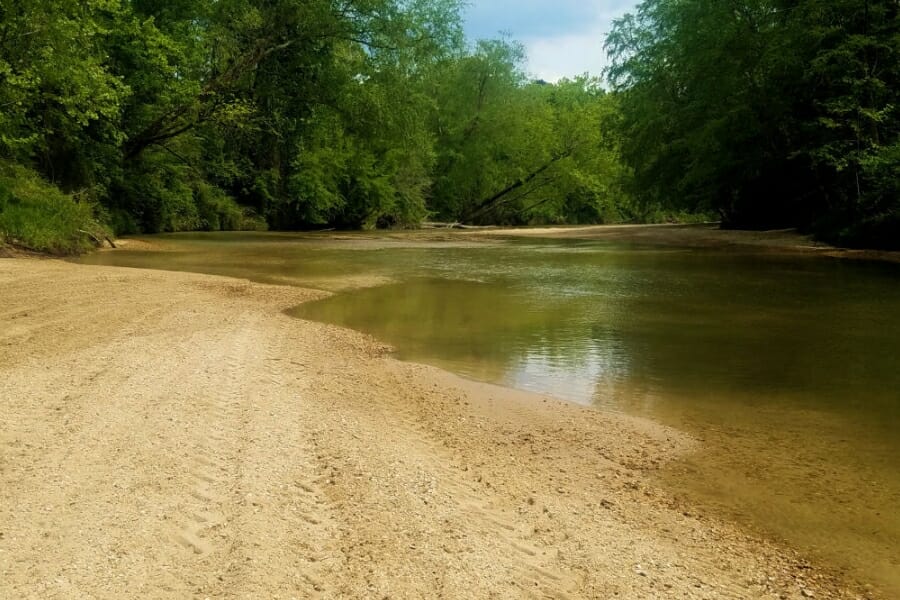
column 759, row 326
column 620, row 327
column 468, row 325
column 611, row 324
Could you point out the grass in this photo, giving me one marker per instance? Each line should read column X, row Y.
column 36, row 215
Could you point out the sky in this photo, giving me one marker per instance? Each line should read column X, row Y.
column 563, row 38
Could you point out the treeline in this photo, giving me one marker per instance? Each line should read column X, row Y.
column 774, row 113
column 167, row 115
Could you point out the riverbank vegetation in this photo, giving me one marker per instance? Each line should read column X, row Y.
column 774, row 113
column 150, row 116
column 37, row 216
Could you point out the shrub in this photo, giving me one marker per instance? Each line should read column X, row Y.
column 37, row 215
column 220, row 212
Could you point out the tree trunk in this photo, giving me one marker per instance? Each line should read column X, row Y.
column 489, row 203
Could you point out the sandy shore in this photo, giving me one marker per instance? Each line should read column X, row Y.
column 171, row 435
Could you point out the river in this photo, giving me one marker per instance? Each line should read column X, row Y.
column 786, row 366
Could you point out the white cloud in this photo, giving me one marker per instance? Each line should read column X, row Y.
column 578, row 50
column 552, row 58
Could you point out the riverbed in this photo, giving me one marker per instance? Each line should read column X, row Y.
column 784, row 363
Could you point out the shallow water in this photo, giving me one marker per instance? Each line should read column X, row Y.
column 788, row 367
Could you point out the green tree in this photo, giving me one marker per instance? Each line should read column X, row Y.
column 772, row 112
column 59, row 105
column 515, row 151
column 853, row 134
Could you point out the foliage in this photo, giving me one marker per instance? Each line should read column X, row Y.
column 60, row 103
column 38, row 216
column 771, row 112
column 515, row 151
column 225, row 114
column 222, row 114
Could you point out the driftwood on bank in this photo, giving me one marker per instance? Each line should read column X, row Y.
column 97, row 239
column 453, row 225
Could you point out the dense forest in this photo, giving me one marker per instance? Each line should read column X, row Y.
column 125, row 116
column 773, row 113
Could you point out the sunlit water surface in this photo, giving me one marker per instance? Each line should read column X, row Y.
column 787, row 367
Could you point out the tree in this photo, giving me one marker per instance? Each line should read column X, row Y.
column 772, row 112
column 59, row 105
column 853, row 135
column 513, row 151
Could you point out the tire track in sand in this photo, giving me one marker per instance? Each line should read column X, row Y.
column 280, row 517
column 212, row 461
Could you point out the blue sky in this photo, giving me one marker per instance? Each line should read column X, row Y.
column 563, row 38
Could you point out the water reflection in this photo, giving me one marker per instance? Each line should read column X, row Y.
column 574, row 376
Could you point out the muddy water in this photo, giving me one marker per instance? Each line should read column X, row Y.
column 788, row 367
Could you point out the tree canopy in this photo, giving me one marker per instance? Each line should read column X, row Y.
column 221, row 114
column 771, row 112
column 168, row 115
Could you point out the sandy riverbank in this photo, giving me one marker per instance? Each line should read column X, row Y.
column 172, row 435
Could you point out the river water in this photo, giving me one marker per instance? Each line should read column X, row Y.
column 787, row 367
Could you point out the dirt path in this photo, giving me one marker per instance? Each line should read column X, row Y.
column 170, row 435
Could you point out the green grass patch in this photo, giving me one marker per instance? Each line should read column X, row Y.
column 37, row 215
